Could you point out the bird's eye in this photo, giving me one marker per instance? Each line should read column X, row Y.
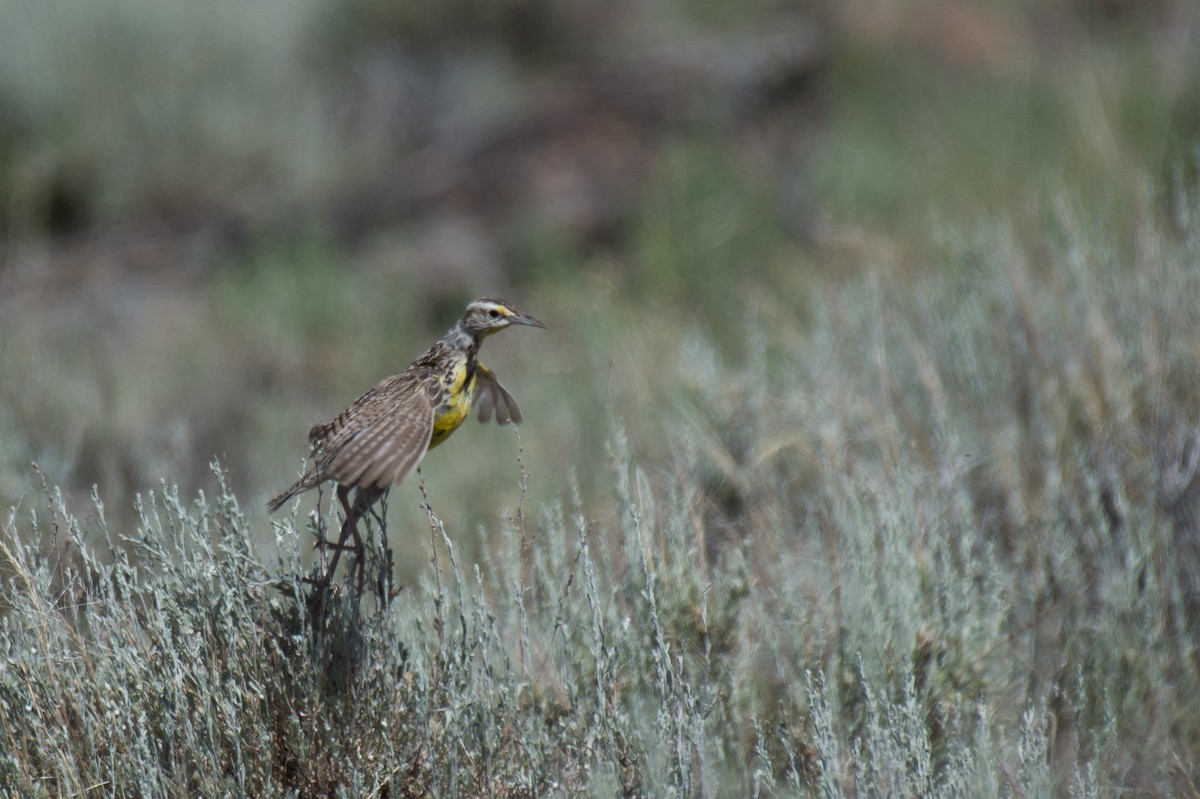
column 494, row 313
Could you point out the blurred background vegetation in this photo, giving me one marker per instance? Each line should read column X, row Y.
column 222, row 221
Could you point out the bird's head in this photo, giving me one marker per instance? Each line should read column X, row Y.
column 486, row 316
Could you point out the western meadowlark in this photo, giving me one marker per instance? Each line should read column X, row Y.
column 383, row 436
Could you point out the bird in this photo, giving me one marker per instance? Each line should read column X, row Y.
column 384, row 434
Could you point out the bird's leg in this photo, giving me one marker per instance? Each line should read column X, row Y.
column 344, row 497
column 348, row 528
column 363, row 502
column 362, row 505
column 321, row 586
column 324, row 543
column 343, row 493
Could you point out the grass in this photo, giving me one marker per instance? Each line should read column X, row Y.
column 933, row 541
column 912, row 137
column 908, row 508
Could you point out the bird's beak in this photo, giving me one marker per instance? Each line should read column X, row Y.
column 519, row 318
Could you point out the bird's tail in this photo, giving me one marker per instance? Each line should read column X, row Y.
column 300, row 486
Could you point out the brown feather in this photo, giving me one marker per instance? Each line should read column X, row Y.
column 402, row 439
column 493, row 399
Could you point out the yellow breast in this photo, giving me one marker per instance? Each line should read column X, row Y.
column 456, row 406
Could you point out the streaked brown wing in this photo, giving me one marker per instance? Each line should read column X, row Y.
column 362, row 413
column 388, row 444
column 493, row 399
